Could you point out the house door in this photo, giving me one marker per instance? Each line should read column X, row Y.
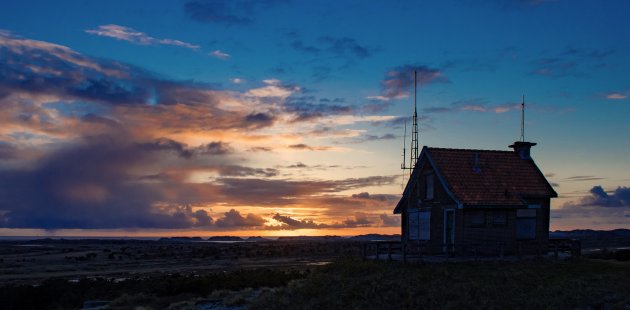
column 449, row 230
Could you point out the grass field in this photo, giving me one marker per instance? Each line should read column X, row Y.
column 356, row 284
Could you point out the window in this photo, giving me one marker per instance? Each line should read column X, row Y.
column 419, row 224
column 526, row 224
column 429, row 193
column 499, row 218
column 477, row 218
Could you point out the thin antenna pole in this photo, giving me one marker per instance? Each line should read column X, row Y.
column 523, row 119
column 404, row 155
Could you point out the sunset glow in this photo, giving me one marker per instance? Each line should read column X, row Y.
column 286, row 118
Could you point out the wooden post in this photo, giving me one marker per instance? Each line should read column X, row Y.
column 404, row 250
column 365, row 251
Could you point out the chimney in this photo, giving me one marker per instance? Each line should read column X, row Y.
column 522, row 148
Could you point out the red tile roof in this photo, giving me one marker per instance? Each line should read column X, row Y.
column 503, row 178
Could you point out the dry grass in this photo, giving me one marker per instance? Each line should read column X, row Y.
column 354, row 284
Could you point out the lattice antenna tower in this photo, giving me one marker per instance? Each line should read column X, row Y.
column 414, row 130
column 413, row 156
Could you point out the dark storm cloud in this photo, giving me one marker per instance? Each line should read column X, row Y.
column 239, row 12
column 7, row 151
column 399, row 81
column 89, row 186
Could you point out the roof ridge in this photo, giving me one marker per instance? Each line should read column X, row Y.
column 475, row 150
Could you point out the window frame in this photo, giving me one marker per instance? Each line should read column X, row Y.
column 502, row 213
column 471, row 216
column 526, row 217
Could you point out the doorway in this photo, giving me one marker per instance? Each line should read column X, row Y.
column 449, row 231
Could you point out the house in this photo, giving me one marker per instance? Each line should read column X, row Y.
column 487, row 201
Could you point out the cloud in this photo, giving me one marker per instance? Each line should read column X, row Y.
column 305, row 147
column 377, row 197
column 366, row 138
column 234, row 218
column 580, row 178
column 7, row 151
column 474, row 105
column 572, row 62
column 616, row 96
column 610, row 208
column 89, row 186
column 216, row 148
column 91, row 143
column 237, row 80
column 235, row 12
column 306, row 109
column 261, row 149
column 359, row 219
column 344, row 46
column 390, row 220
column 290, row 223
column 241, row 171
column 399, row 81
column 296, row 42
column 274, row 88
column 129, row 34
column 221, row 55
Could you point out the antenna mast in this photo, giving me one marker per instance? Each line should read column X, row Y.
column 523, row 119
column 404, row 155
column 414, row 133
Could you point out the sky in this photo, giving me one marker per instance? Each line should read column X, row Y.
column 287, row 117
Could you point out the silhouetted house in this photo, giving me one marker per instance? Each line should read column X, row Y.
column 476, row 200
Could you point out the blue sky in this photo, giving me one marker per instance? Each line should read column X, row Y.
column 289, row 95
